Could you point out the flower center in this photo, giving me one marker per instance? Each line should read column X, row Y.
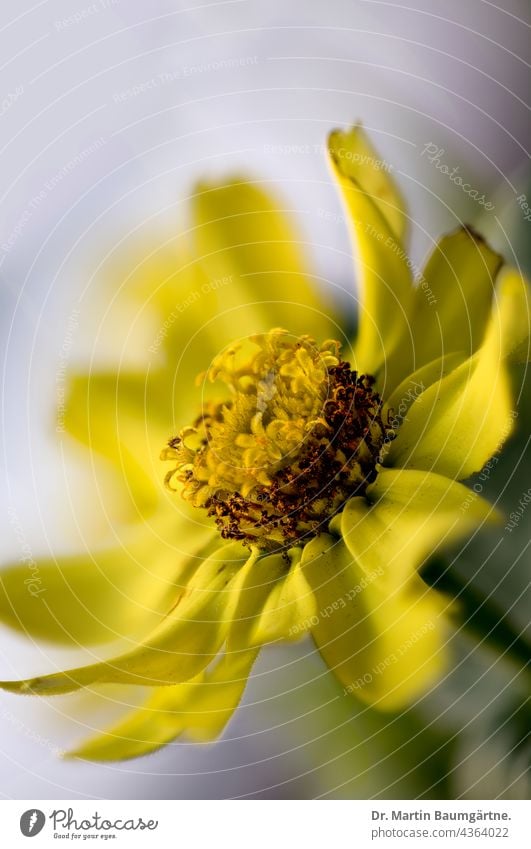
column 299, row 434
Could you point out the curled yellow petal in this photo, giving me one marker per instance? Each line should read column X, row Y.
column 200, row 708
column 275, row 602
column 461, row 277
column 406, row 516
column 461, row 421
column 384, row 644
column 377, row 220
column 187, row 640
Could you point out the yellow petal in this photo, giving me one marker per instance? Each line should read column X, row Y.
column 103, row 595
column 376, row 216
column 406, row 516
column 177, row 650
column 242, row 236
column 400, row 400
column 384, row 644
column 200, row 708
column 275, row 602
column 189, row 313
column 127, row 418
column 514, row 316
column 171, row 287
column 462, row 420
column 452, row 305
column 356, row 159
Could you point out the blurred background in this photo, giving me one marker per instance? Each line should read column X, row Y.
column 110, row 111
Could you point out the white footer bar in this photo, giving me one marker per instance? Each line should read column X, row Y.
column 265, row 824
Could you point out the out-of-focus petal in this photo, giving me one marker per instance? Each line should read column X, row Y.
column 187, row 640
column 243, row 236
column 107, row 594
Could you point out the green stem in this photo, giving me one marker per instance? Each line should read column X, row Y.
column 479, row 616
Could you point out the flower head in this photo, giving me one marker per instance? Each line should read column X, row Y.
column 298, row 435
column 316, row 477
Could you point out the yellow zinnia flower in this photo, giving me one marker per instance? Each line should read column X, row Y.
column 314, row 474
